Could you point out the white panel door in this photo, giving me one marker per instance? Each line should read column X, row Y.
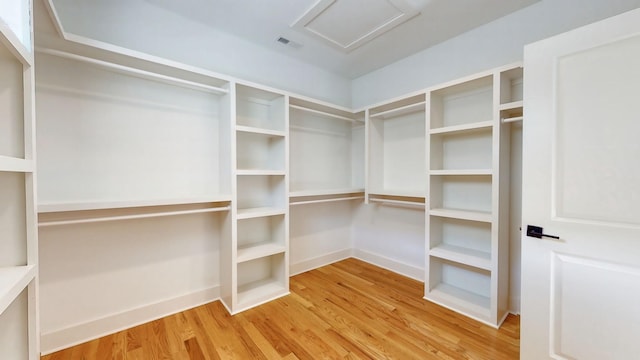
column 581, row 182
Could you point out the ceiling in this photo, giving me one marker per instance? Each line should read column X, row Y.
column 347, row 37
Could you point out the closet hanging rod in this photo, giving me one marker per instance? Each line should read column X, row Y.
column 340, row 117
column 135, row 72
column 512, row 119
column 398, row 202
column 132, row 217
column 325, row 200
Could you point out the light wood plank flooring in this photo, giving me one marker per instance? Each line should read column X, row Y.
column 347, row 310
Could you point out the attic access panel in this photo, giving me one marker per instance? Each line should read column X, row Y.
column 349, row 24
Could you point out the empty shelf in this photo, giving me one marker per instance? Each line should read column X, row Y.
column 13, row 280
column 259, row 212
column 475, row 258
column 259, row 250
column 463, row 128
column 12, row 164
column 462, row 172
column 462, row 214
column 255, row 130
column 259, row 292
column 474, row 305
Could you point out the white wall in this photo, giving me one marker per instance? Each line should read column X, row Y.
column 140, row 26
column 495, row 44
column 391, row 237
column 15, row 13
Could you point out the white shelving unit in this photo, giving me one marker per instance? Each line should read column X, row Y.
column 19, row 325
column 255, row 259
column 396, row 152
column 467, row 221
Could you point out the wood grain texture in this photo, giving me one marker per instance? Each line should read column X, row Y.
column 347, row 310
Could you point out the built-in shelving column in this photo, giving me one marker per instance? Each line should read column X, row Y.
column 259, row 250
column 396, row 153
column 19, row 324
column 467, row 245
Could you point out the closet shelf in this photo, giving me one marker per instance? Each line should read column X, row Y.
column 14, row 45
column 261, row 131
column 250, row 213
column 404, row 110
column 462, row 214
column 12, row 164
column 478, row 126
column 455, row 298
column 143, row 74
column 259, row 250
column 324, row 113
column 13, row 280
column 260, row 172
column 511, row 105
column 103, row 205
column 461, row 172
column 259, row 292
column 475, row 258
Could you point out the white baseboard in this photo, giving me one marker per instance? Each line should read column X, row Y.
column 319, row 261
column 396, row 266
column 60, row 339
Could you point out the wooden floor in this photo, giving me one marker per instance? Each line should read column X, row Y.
column 347, row 310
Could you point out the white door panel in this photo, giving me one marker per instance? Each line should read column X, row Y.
column 581, row 182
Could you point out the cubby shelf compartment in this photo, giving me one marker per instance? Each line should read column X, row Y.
column 460, row 287
column 457, row 299
column 13, row 280
column 260, row 237
column 260, row 152
column 462, row 150
column 461, row 241
column 260, row 109
column 261, row 280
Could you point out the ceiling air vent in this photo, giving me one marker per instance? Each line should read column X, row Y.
column 285, row 41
